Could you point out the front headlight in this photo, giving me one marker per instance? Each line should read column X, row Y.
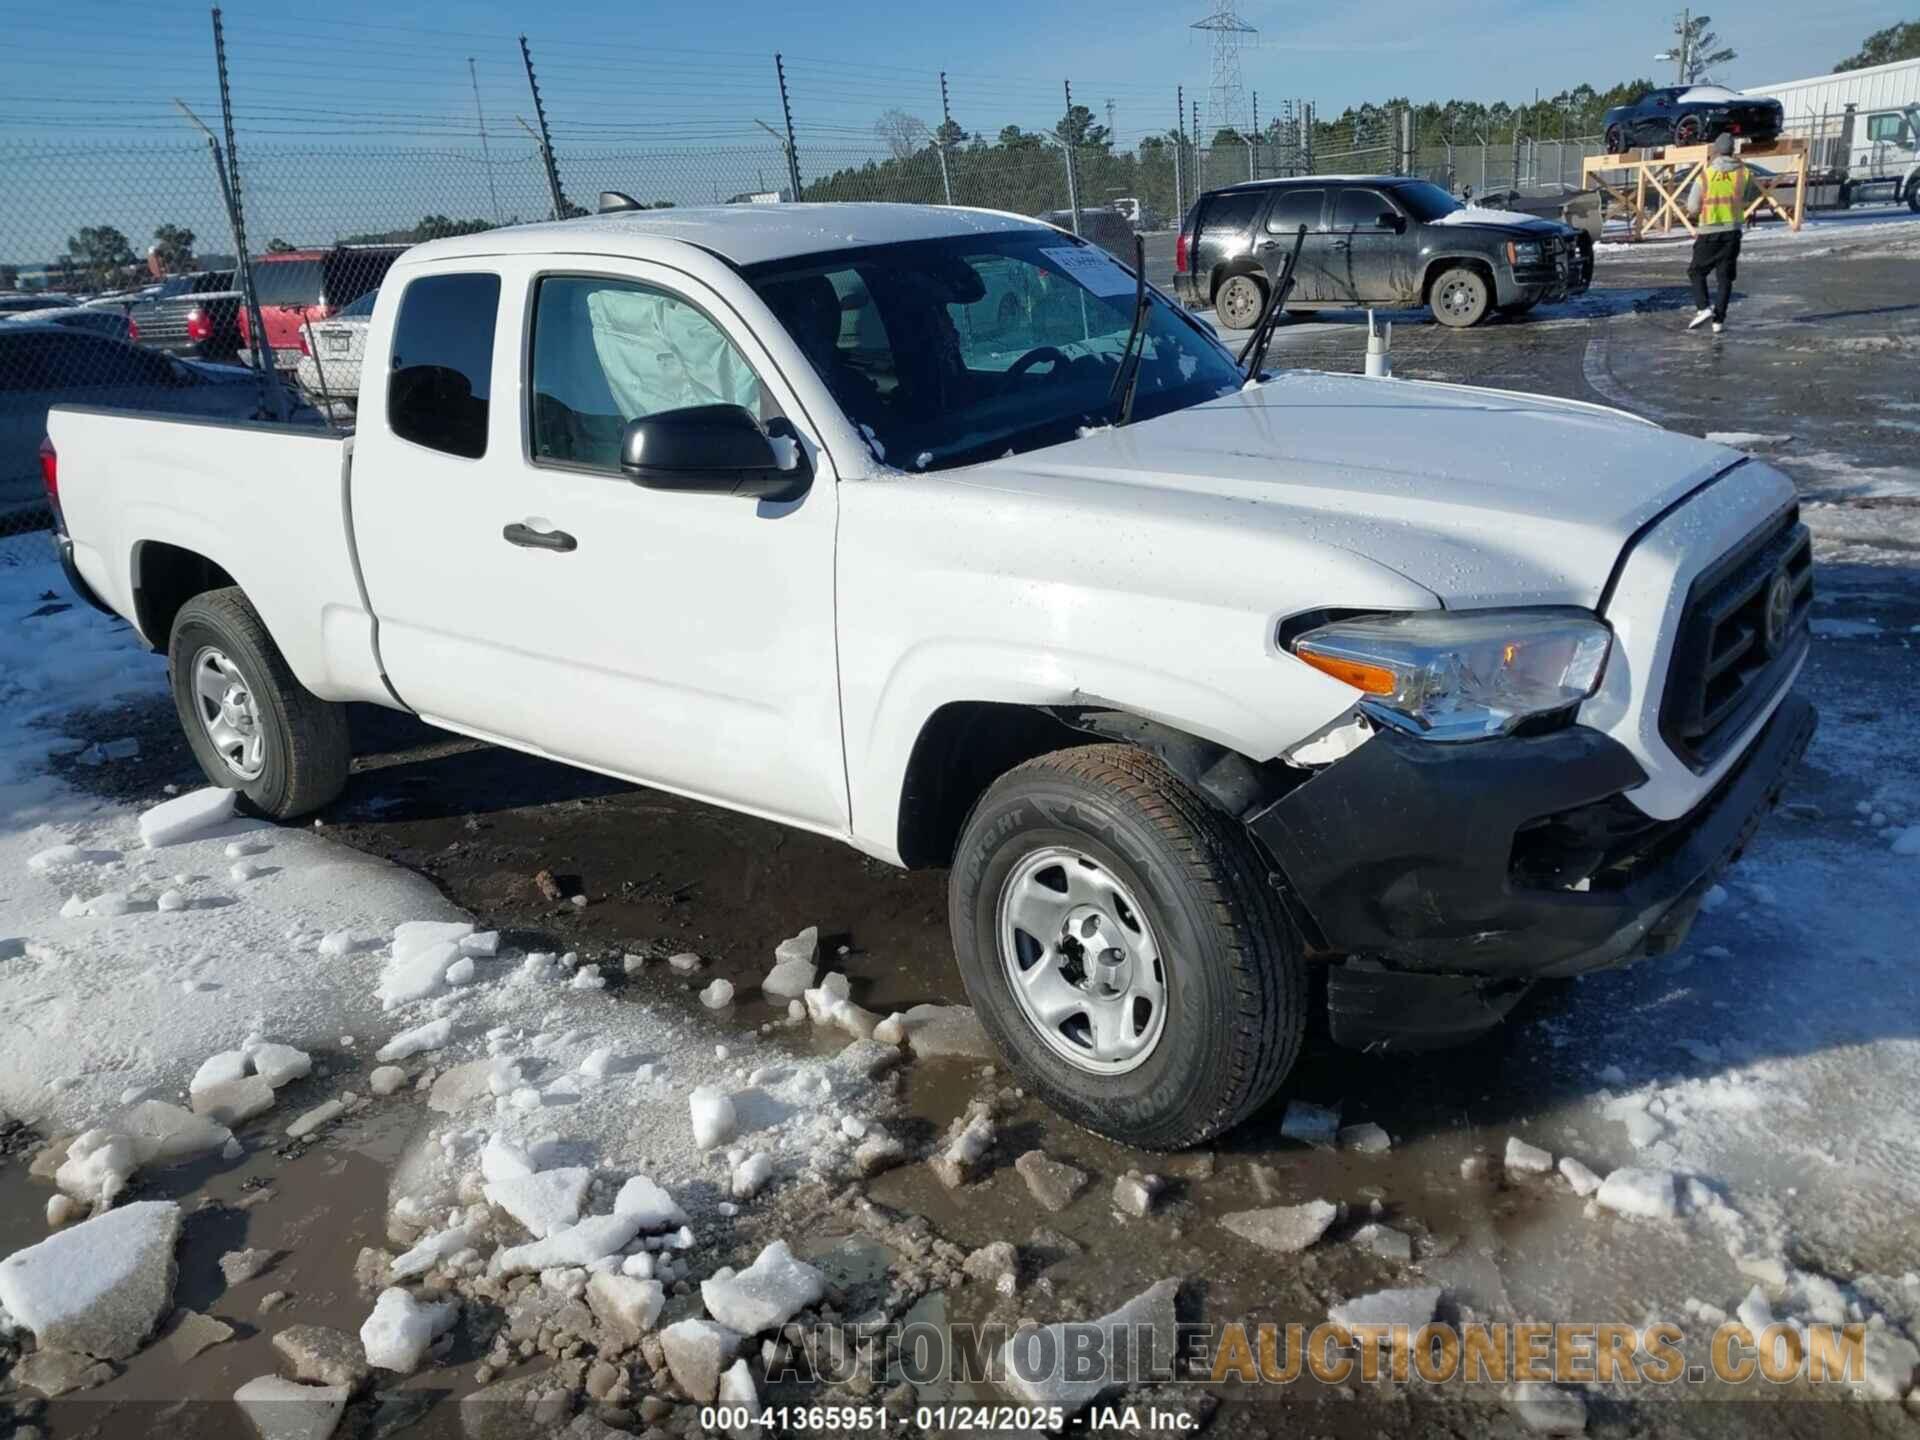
column 1523, row 252
column 1465, row 675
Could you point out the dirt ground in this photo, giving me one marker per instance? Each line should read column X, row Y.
column 1825, row 337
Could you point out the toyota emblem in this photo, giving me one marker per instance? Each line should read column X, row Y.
column 1779, row 614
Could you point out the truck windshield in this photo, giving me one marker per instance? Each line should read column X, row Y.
column 1425, row 201
column 946, row 352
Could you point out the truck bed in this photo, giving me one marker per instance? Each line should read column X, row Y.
column 266, row 504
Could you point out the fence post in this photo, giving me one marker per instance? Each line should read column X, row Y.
column 786, row 113
column 940, row 140
column 558, row 196
column 261, row 345
column 1066, row 144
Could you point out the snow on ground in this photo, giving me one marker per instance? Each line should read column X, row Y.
column 106, row 987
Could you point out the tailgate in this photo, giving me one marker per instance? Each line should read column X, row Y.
column 264, row 503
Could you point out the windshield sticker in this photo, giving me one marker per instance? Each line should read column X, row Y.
column 1093, row 268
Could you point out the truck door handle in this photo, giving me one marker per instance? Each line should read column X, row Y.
column 532, row 539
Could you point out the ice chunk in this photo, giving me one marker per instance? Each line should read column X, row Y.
column 588, row 977
column 186, row 817
column 397, row 1333
column 1384, row 1242
column 1525, row 1159
column 1310, row 1124
column 98, row 1287
column 286, row 1410
column 415, row 973
column 1547, row 1409
column 625, row 1305
column 1283, row 1229
column 319, row 1115
column 1411, row 1307
column 1755, row 1312
column 170, row 901
column 597, row 1063
column 695, row 1352
column 163, row 1134
column 1887, row 1363
column 737, row 1389
column 581, row 1244
column 460, row 972
column 336, row 943
column 766, row 1294
column 718, row 995
column 98, row 1165
column 1128, row 1347
column 1583, row 1180
column 279, row 1064
column 233, row 1101
column 430, row 1036
column 432, row 1250
column 654, row 1206
column 751, row 1175
column 1645, row 1194
column 946, row 1030
column 1367, row 1138
column 244, row 871
column 714, row 1121
column 485, row 944
column 503, row 1160
column 543, row 1202
column 686, row 962
column 794, row 966
column 227, row 1066
column 412, row 936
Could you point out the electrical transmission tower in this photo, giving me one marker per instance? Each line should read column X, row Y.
column 1227, row 95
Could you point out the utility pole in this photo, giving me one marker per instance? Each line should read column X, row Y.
column 940, row 140
column 486, row 155
column 558, row 196
column 786, row 111
column 1066, row 143
column 1179, row 144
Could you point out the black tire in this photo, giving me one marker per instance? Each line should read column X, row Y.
column 1460, row 298
column 1235, row 982
column 1616, row 140
column 1688, row 130
column 303, row 752
column 1239, row 300
column 1913, row 195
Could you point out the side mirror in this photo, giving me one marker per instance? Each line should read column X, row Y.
column 714, row 450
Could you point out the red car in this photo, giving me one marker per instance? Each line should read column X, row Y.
column 297, row 286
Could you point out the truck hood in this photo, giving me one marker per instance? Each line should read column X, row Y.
column 1482, row 497
column 1475, row 217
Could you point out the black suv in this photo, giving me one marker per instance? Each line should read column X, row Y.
column 1371, row 240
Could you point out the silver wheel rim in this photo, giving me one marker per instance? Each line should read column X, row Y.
column 1457, row 297
column 224, row 702
column 1238, row 301
column 1082, row 961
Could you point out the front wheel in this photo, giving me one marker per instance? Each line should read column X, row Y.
column 1118, row 938
column 1616, row 140
column 251, row 724
column 1239, row 302
column 1460, row 297
column 1913, row 195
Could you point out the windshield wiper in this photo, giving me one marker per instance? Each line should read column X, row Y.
column 1128, row 375
column 1255, row 355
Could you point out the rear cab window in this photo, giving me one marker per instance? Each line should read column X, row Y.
column 440, row 380
column 1232, row 213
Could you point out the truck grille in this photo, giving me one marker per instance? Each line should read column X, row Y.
column 1743, row 631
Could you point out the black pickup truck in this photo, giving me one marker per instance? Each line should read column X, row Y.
column 1382, row 240
column 194, row 316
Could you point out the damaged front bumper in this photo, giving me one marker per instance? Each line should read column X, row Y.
column 1457, row 875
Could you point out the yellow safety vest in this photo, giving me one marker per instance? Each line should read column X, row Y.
column 1724, row 189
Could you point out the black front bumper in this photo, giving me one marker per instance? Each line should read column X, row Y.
column 1450, row 871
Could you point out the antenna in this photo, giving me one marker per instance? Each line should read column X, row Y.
column 1227, row 93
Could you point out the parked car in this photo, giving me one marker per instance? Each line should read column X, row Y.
column 330, row 355
column 294, row 287
column 1568, row 204
column 1437, row 690
column 111, row 323
column 1379, row 240
column 1691, row 115
column 20, row 302
column 45, row 364
column 1106, row 228
column 195, row 316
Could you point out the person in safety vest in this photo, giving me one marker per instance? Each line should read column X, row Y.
column 1718, row 201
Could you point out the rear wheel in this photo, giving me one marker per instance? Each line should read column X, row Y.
column 1119, row 940
column 1239, row 301
column 1460, row 297
column 252, row 726
column 1687, row 130
column 1913, row 194
column 1616, row 140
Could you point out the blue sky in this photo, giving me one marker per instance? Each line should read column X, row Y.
column 99, row 74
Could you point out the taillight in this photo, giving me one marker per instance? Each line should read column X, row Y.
column 246, row 330
column 133, row 329
column 1180, row 254
column 302, row 338
column 50, row 470
column 199, row 325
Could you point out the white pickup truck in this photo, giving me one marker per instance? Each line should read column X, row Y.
column 849, row 517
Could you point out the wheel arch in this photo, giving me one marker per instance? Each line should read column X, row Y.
column 1226, row 270
column 165, row 577
column 1438, row 265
